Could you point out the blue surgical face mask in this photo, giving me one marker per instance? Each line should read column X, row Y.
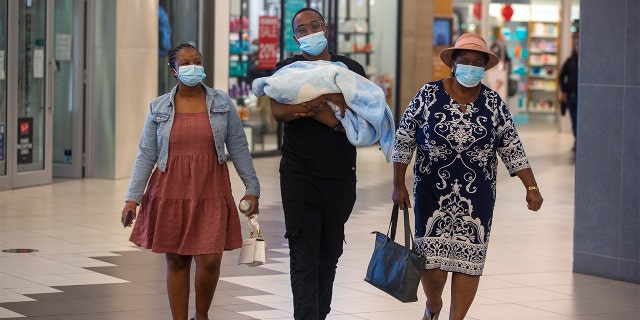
column 191, row 75
column 314, row 43
column 468, row 75
column 253, row 49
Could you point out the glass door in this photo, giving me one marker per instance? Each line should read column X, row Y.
column 68, row 35
column 34, row 106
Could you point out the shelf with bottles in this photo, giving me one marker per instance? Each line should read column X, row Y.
column 238, row 24
column 238, row 43
column 543, row 71
column 542, row 95
column 238, row 46
column 542, row 67
column 542, row 106
column 244, row 98
column 543, row 84
column 353, row 26
column 238, row 66
column 238, row 38
column 354, row 38
column 543, row 29
column 364, row 49
column 516, row 40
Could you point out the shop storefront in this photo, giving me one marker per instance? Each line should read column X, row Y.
column 532, row 42
column 40, row 68
column 260, row 35
column 68, row 106
column 527, row 34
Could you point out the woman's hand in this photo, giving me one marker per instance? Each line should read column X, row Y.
column 129, row 206
column 534, row 200
column 255, row 204
column 400, row 196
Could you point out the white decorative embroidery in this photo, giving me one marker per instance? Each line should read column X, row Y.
column 456, row 154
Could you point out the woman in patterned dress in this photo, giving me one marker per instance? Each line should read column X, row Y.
column 187, row 210
column 457, row 127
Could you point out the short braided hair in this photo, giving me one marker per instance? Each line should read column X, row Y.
column 174, row 52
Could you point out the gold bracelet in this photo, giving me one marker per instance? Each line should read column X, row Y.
column 529, row 188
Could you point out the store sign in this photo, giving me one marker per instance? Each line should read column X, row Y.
column 25, row 140
column 268, row 43
column 290, row 9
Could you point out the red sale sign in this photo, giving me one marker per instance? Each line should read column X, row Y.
column 268, row 43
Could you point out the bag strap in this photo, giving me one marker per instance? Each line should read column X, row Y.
column 393, row 224
column 391, row 232
column 254, row 225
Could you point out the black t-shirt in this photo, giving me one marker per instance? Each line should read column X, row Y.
column 312, row 147
column 569, row 75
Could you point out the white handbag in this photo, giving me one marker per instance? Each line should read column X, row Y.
column 253, row 249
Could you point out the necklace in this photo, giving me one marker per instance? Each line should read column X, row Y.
column 461, row 96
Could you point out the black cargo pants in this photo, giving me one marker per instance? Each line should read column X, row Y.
column 315, row 211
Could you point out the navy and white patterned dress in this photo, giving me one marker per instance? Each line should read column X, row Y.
column 455, row 172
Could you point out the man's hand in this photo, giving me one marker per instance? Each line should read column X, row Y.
column 338, row 100
column 321, row 112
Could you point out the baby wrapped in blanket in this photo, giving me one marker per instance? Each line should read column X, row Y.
column 367, row 120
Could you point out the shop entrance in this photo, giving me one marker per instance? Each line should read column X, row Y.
column 26, row 109
column 38, row 120
column 69, row 131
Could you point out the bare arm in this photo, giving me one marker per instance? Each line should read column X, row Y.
column 400, row 194
column 316, row 108
column 287, row 112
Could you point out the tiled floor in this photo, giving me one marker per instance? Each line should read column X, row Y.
column 86, row 269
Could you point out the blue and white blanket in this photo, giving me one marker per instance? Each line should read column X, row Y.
column 369, row 120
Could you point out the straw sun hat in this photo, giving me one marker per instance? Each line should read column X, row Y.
column 469, row 41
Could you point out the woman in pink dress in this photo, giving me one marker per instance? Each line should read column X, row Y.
column 187, row 210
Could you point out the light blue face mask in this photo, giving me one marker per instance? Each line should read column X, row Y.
column 468, row 75
column 314, row 43
column 191, row 75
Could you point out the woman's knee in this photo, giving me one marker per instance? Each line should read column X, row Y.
column 209, row 262
column 177, row 262
column 434, row 277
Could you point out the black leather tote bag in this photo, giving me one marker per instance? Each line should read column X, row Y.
column 394, row 268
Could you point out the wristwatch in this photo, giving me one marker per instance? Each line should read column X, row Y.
column 339, row 128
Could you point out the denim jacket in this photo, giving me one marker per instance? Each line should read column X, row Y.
column 227, row 129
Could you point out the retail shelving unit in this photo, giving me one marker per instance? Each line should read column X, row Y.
column 516, row 38
column 543, row 67
column 354, row 35
column 238, row 39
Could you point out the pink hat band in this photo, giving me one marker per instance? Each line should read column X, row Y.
column 471, row 41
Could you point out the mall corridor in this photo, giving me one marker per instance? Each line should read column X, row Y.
column 84, row 267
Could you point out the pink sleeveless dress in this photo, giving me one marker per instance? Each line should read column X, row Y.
column 189, row 209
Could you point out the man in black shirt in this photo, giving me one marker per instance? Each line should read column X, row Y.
column 569, row 86
column 317, row 177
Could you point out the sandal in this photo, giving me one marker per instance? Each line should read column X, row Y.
column 433, row 316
